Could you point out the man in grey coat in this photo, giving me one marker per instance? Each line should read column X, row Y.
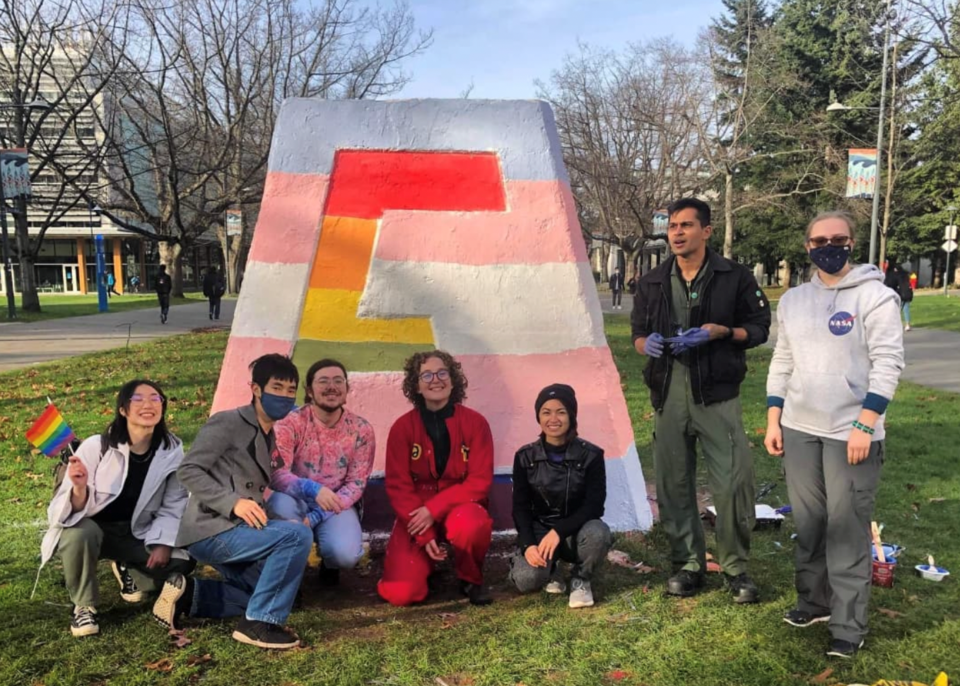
column 261, row 561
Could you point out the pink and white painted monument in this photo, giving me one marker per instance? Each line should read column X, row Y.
column 392, row 227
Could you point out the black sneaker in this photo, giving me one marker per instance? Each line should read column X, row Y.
column 845, row 649
column 743, row 589
column 477, row 593
column 328, row 577
column 174, row 601
column 84, row 622
column 264, row 635
column 800, row 618
column 211, row 316
column 128, row 587
column 684, row 583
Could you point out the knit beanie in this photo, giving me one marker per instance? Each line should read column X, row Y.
column 566, row 395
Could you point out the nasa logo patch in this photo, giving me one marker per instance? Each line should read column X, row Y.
column 841, row 323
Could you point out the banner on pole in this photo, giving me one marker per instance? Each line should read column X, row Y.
column 234, row 222
column 15, row 173
column 862, row 173
column 660, row 221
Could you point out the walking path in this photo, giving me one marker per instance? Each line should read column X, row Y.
column 27, row 344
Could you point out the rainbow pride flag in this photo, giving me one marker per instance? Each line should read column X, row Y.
column 50, row 433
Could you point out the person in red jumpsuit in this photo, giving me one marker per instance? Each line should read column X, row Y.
column 439, row 469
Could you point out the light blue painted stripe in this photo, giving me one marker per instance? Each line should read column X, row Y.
column 522, row 132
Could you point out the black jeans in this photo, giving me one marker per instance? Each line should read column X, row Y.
column 215, row 307
column 164, row 303
column 617, row 298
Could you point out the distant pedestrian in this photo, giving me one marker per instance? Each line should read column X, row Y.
column 898, row 280
column 616, row 287
column 214, row 287
column 163, row 287
column 111, row 285
column 135, row 283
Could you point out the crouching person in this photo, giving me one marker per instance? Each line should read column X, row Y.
column 559, row 489
column 120, row 501
column 225, row 525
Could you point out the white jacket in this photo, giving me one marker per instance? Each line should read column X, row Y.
column 156, row 517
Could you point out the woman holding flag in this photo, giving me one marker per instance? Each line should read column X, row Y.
column 121, row 501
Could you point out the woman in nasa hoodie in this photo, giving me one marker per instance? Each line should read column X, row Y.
column 835, row 368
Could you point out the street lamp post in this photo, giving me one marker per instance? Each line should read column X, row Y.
column 39, row 104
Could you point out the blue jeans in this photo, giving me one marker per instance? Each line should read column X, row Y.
column 261, row 571
column 906, row 312
column 339, row 538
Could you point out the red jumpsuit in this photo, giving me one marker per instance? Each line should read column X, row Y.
column 457, row 501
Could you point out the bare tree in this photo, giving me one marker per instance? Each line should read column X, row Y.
column 937, row 24
column 195, row 105
column 47, row 53
column 628, row 141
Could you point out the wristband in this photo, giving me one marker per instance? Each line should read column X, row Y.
column 863, row 427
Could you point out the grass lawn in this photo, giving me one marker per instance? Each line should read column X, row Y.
column 633, row 636
column 936, row 312
column 59, row 306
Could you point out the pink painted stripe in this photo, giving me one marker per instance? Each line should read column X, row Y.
column 233, row 389
column 289, row 221
column 503, row 388
column 539, row 226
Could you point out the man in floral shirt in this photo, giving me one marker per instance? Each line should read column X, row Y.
column 321, row 465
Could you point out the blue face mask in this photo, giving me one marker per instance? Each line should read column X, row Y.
column 276, row 406
column 830, row 258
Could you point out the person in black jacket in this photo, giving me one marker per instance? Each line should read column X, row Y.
column 898, row 279
column 616, row 288
column 694, row 317
column 559, row 490
column 213, row 288
column 163, row 287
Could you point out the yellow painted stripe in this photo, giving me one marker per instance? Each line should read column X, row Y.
column 331, row 315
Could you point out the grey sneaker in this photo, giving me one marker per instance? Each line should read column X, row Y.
column 84, row 622
column 556, row 585
column 128, row 587
column 581, row 595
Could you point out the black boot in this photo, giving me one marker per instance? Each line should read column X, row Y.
column 684, row 583
column 477, row 593
column 743, row 589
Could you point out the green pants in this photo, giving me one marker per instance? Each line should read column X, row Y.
column 719, row 430
column 81, row 546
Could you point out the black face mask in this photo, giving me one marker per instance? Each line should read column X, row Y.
column 830, row 258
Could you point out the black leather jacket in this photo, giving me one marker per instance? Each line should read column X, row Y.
column 561, row 496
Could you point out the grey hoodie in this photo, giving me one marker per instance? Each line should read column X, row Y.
column 835, row 345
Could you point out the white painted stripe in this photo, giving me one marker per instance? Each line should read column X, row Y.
column 627, row 508
column 511, row 309
column 271, row 300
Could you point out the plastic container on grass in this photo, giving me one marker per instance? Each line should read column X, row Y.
column 932, row 573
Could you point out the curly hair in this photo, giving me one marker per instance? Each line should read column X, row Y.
column 411, row 376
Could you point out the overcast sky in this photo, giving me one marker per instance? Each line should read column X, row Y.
column 502, row 46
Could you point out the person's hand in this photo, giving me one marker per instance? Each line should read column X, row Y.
column 533, row 557
column 77, row 473
column 548, row 544
column 159, row 557
column 251, row 513
column 691, row 338
column 434, row 551
column 653, row 346
column 774, row 440
column 329, row 501
column 858, row 446
column 717, row 331
column 420, row 521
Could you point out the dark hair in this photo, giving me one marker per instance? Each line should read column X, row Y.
column 117, row 432
column 273, row 366
column 312, row 372
column 163, row 267
column 702, row 208
column 411, row 376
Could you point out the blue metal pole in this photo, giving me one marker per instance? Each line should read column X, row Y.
column 101, row 271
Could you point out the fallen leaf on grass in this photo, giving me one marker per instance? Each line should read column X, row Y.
column 164, row 665
column 198, row 659
column 911, row 487
column 915, row 506
column 179, row 638
column 822, row 676
column 936, row 500
column 893, row 614
column 713, row 568
column 618, row 675
column 645, row 569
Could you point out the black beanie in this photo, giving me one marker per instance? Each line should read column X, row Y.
column 565, row 394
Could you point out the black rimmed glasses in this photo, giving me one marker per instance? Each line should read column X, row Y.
column 441, row 375
column 835, row 241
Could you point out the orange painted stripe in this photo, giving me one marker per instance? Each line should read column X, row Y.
column 343, row 256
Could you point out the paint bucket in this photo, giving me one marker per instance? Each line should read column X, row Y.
column 883, row 573
column 932, row 573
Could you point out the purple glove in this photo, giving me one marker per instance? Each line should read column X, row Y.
column 691, row 338
column 653, row 347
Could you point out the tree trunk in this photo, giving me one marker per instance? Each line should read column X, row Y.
column 170, row 254
column 728, row 215
column 231, row 257
column 29, row 298
column 787, row 274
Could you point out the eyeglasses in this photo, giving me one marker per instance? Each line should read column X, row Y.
column 138, row 399
column 337, row 381
column 835, row 241
column 442, row 375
